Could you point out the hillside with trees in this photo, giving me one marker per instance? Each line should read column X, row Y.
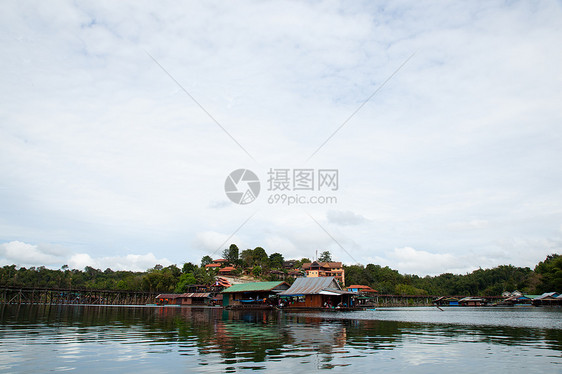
column 258, row 265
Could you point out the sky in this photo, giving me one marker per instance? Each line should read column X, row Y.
column 424, row 136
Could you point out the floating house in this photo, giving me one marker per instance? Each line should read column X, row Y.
column 366, row 295
column 446, row 301
column 361, row 289
column 521, row 300
column 472, row 301
column 548, row 299
column 193, row 298
column 317, row 292
column 253, row 295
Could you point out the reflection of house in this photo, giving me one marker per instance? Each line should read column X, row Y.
column 324, row 269
column 317, row 292
column 200, row 298
column 252, row 295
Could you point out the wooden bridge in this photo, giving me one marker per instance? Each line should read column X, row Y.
column 29, row 295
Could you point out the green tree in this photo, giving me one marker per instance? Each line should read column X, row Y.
column 276, row 260
column 206, row 260
column 256, row 271
column 247, row 258
column 185, row 280
column 325, row 256
column 260, row 256
column 188, row 267
column 231, row 254
column 550, row 271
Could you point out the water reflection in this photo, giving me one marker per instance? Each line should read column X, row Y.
column 209, row 339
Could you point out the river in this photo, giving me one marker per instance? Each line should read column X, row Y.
column 183, row 340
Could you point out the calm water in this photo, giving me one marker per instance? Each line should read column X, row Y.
column 182, row 340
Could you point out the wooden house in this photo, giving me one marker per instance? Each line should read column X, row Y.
column 472, row 301
column 316, row 292
column 548, row 299
column 253, row 295
column 360, row 289
column 192, row 298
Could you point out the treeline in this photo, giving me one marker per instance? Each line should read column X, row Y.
column 546, row 276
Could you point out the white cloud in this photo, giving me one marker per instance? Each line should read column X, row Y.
column 24, row 254
column 408, row 260
column 128, row 262
column 345, row 218
column 54, row 256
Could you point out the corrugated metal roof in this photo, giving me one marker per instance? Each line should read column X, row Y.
column 547, row 295
column 200, row 294
column 254, row 286
column 168, row 296
column 309, row 286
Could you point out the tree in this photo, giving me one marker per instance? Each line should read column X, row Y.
column 247, row 257
column 188, row 267
column 550, row 271
column 304, row 260
column 231, row 254
column 206, row 260
column 276, row 260
column 260, row 256
column 256, row 271
column 185, row 280
column 325, row 256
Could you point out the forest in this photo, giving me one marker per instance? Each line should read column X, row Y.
column 256, row 263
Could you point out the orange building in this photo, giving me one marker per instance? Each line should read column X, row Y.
column 324, row 269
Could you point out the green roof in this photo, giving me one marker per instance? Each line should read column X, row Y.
column 254, row 286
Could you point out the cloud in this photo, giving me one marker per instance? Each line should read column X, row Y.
column 129, row 262
column 54, row 256
column 470, row 225
column 408, row 260
column 345, row 218
column 24, row 254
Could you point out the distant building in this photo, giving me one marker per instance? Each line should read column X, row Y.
column 324, row 269
column 289, row 264
column 217, row 264
column 227, row 270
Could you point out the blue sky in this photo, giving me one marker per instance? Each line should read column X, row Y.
column 112, row 158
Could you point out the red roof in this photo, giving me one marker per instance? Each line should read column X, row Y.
column 361, row 288
column 212, row 265
column 227, row 269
